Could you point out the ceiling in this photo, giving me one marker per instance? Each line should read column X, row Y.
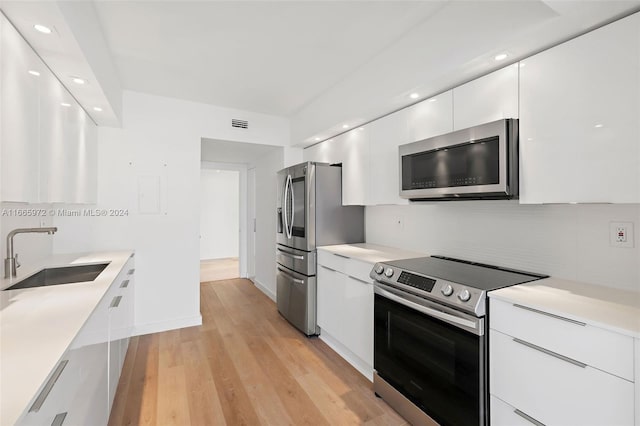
column 320, row 63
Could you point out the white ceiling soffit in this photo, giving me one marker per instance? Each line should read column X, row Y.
column 76, row 47
column 220, row 151
column 453, row 46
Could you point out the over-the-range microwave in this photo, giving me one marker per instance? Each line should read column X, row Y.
column 480, row 162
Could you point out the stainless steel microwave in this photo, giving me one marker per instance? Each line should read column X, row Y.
column 480, row 162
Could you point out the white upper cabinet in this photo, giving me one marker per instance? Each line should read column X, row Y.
column 355, row 166
column 580, row 119
column 48, row 142
column 385, row 135
column 431, row 117
column 21, row 72
column 486, row 99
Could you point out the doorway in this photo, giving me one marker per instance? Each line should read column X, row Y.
column 219, row 223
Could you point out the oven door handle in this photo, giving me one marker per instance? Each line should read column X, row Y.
column 473, row 325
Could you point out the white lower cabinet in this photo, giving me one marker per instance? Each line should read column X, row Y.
column 81, row 388
column 553, row 370
column 345, row 308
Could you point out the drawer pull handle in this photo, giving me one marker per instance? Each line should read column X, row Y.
column 131, row 271
column 528, row 418
column 37, row 404
column 124, row 284
column 341, row 255
column 327, row 268
column 551, row 353
column 290, row 254
column 115, row 302
column 361, row 280
column 58, row 419
column 526, row 308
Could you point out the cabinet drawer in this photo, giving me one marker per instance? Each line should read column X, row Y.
column 333, row 261
column 556, row 391
column 502, row 414
column 359, row 270
column 605, row 350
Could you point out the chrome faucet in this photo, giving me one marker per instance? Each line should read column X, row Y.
column 11, row 262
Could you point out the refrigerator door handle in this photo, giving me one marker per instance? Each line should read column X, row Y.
column 285, row 198
column 293, row 206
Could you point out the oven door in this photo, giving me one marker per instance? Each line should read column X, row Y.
column 433, row 355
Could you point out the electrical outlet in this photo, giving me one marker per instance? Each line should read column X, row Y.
column 621, row 234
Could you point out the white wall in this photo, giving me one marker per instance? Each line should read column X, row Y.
column 566, row 241
column 161, row 137
column 219, row 213
column 266, row 200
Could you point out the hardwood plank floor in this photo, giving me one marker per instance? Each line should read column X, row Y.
column 245, row 365
column 219, row 269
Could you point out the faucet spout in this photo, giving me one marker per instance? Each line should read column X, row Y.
column 11, row 262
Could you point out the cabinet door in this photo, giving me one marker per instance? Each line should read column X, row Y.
column 486, row 99
column 431, row 117
column 19, row 151
column 87, row 176
column 358, row 321
column 355, row 167
column 556, row 390
column 331, row 301
column 579, row 126
column 385, row 135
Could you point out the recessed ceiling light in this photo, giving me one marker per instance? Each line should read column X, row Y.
column 78, row 80
column 43, row 29
column 98, row 109
column 433, row 99
column 317, row 139
column 414, row 96
column 345, row 126
column 36, row 73
column 598, row 126
column 65, row 104
column 500, row 57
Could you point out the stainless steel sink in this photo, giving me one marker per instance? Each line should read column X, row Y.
column 64, row 275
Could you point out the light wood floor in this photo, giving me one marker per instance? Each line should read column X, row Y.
column 219, row 269
column 244, row 366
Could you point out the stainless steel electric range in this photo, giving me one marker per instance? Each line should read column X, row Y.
column 430, row 341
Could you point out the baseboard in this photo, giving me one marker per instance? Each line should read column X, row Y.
column 172, row 324
column 264, row 289
column 353, row 359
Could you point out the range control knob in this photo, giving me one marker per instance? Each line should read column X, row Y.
column 389, row 272
column 447, row 290
column 464, row 295
column 379, row 269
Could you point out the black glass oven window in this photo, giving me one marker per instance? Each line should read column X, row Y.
column 468, row 164
column 439, row 367
column 299, row 204
column 417, row 281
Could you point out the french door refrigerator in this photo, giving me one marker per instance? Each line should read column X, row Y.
column 309, row 214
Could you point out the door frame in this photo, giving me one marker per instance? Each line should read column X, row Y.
column 243, row 235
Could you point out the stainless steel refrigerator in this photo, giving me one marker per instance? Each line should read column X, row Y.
column 309, row 214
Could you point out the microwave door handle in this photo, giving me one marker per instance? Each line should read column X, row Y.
column 293, row 206
column 466, row 324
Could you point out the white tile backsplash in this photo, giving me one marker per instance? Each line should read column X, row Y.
column 567, row 241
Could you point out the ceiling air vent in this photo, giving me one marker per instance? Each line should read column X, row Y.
column 240, row 124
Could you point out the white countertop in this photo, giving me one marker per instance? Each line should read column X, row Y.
column 604, row 307
column 371, row 253
column 37, row 325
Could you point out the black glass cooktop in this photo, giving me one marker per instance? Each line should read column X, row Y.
column 471, row 274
